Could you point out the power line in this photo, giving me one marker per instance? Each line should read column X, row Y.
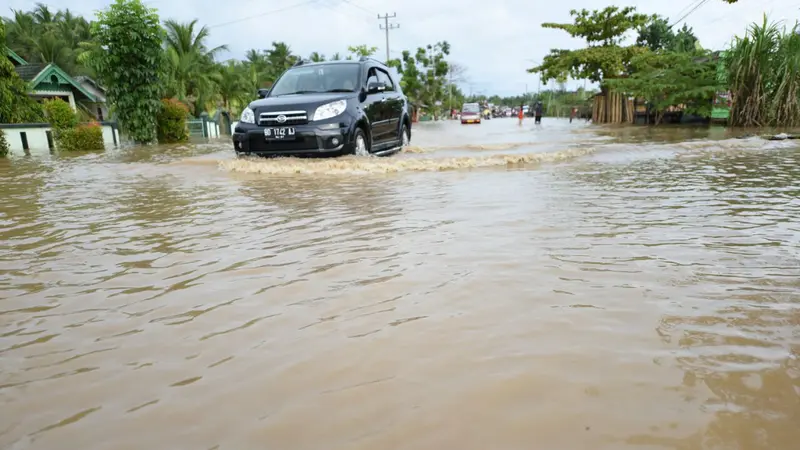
column 355, row 5
column 702, row 2
column 262, row 14
column 685, row 8
column 388, row 27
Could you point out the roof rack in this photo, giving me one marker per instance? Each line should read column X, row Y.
column 369, row 58
column 299, row 62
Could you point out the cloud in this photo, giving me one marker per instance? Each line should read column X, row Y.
column 495, row 39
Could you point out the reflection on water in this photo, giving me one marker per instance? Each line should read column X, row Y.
column 634, row 295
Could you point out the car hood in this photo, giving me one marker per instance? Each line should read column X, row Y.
column 306, row 102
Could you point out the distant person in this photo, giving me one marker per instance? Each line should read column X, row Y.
column 538, row 112
column 520, row 114
column 572, row 114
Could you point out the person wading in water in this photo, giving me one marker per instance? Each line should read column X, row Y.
column 538, row 111
column 521, row 114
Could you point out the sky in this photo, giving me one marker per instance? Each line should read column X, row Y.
column 495, row 40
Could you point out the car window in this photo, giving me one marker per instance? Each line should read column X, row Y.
column 372, row 75
column 385, row 78
column 470, row 107
column 317, row 78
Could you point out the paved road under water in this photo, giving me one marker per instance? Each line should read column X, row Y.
column 555, row 287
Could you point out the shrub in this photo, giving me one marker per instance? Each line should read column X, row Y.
column 171, row 125
column 60, row 115
column 83, row 137
column 3, row 144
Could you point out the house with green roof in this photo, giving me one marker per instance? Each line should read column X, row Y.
column 48, row 81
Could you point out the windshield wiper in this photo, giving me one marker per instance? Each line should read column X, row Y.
column 339, row 90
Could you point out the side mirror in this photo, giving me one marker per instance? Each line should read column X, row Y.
column 262, row 93
column 376, row 87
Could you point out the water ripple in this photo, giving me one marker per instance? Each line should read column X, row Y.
column 643, row 292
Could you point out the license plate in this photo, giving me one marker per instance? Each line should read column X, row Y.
column 279, row 133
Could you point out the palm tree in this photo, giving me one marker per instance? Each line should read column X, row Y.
column 191, row 74
column 40, row 36
column 233, row 86
column 280, row 58
column 316, row 57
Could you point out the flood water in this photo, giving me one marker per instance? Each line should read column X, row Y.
column 561, row 286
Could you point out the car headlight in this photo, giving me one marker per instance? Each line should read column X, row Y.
column 329, row 110
column 248, row 116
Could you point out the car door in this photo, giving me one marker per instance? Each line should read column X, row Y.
column 393, row 105
column 373, row 108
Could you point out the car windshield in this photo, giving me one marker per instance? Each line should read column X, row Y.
column 470, row 108
column 317, row 78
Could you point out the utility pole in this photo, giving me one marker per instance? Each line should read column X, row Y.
column 450, row 102
column 388, row 27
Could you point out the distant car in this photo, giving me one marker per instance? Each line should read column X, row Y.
column 470, row 113
column 329, row 109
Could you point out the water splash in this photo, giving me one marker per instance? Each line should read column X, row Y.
column 348, row 165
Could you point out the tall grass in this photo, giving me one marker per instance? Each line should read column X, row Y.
column 764, row 76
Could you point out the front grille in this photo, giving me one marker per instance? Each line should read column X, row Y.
column 273, row 119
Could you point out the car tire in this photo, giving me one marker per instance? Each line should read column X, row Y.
column 360, row 143
column 405, row 136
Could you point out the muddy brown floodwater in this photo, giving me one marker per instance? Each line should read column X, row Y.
column 494, row 287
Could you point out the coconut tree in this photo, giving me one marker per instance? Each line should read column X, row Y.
column 190, row 70
column 279, row 58
column 232, row 83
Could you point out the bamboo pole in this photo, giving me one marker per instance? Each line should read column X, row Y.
column 614, row 108
column 602, row 112
column 630, row 111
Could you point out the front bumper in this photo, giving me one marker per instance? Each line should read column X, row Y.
column 309, row 140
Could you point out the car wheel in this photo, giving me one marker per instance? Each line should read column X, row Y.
column 405, row 136
column 361, row 147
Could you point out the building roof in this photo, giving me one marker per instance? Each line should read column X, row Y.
column 84, row 78
column 15, row 57
column 36, row 74
column 29, row 71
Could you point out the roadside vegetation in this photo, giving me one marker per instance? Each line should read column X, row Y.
column 173, row 63
column 668, row 68
column 173, row 60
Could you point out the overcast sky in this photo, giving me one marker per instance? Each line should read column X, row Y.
column 496, row 40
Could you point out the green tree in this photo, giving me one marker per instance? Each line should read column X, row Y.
column 667, row 79
column 191, row 74
column 425, row 73
column 656, row 34
column 686, row 41
column 233, row 83
column 604, row 57
column 316, row 57
column 15, row 104
column 279, row 58
column 44, row 36
column 130, row 68
column 358, row 51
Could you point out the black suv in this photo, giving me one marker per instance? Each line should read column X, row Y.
column 327, row 108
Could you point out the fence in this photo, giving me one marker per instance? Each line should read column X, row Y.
column 38, row 137
column 203, row 127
